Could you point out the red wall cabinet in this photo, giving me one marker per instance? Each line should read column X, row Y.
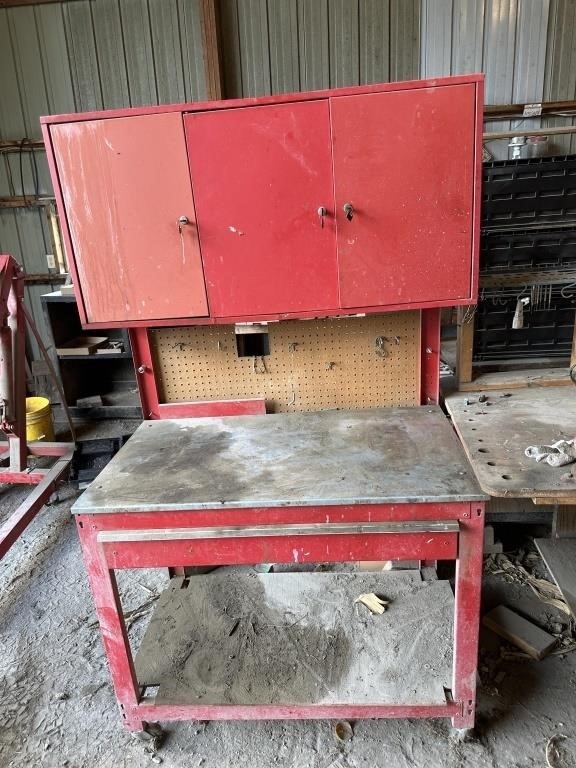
column 343, row 201
column 404, row 161
column 260, row 175
column 125, row 184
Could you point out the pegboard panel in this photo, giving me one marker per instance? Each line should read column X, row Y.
column 359, row 362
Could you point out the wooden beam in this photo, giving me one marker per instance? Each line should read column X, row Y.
column 25, row 201
column 24, row 145
column 210, row 26
column 44, row 279
column 19, row 3
column 517, row 630
column 520, row 131
column 464, row 344
column 508, row 111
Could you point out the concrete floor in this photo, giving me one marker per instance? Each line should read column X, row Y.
column 57, row 706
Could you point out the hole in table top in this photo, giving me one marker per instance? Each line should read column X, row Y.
column 491, row 463
column 483, row 450
column 480, row 439
column 506, row 477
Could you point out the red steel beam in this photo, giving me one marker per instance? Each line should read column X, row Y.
column 27, row 511
column 255, row 406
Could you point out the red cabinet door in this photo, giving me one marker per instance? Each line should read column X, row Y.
column 260, row 175
column 404, row 161
column 125, row 183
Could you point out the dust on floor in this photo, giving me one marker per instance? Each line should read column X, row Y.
column 57, row 707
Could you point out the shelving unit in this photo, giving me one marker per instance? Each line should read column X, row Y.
column 109, row 375
column 528, row 256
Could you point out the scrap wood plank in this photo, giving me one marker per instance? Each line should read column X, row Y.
column 519, row 631
column 532, row 377
column 560, row 558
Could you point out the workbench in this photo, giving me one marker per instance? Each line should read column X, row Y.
column 330, row 486
column 495, row 434
column 496, row 431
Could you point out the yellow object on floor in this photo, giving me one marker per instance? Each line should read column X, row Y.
column 39, row 424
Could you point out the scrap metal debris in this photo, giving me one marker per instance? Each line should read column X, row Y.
column 374, row 603
column 542, row 588
column 343, row 730
column 556, row 455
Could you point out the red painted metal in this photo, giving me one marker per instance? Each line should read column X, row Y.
column 467, row 613
column 103, row 557
column 112, row 626
column 27, row 477
column 272, row 317
column 123, row 200
column 479, row 120
column 145, row 376
column 13, row 411
column 63, row 223
column 211, row 518
column 29, row 508
column 149, row 396
column 254, row 406
column 406, row 165
column 282, row 549
column 430, row 356
column 136, row 716
column 265, row 248
column 384, row 261
column 202, row 106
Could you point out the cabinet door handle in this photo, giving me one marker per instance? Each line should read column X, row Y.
column 348, row 209
column 322, row 212
column 182, row 221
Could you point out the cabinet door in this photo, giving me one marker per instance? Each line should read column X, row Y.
column 404, row 160
column 259, row 176
column 125, row 183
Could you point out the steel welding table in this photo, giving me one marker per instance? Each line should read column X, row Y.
column 331, row 486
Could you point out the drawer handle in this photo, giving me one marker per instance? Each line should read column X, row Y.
column 348, row 211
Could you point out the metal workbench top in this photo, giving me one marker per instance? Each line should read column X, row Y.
column 381, row 456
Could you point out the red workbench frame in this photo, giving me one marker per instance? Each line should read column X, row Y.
column 153, row 408
column 112, row 541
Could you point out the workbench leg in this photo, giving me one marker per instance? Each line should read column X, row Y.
column 467, row 614
column 114, row 635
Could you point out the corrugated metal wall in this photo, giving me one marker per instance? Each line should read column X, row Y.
column 92, row 54
column 76, row 56
column 526, row 48
column 273, row 46
column 97, row 54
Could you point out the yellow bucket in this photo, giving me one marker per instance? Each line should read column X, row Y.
column 39, row 425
